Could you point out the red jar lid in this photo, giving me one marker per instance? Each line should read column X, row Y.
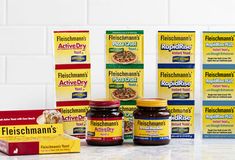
column 104, row 103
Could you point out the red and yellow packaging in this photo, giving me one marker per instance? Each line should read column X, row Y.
column 34, row 132
column 71, row 47
column 73, row 115
column 72, row 82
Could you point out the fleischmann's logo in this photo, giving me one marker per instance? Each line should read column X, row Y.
column 9, row 131
column 124, row 37
column 178, row 110
column 219, row 38
column 170, row 74
column 123, row 73
column 219, row 110
column 74, row 110
column 151, row 123
column 176, row 38
column 104, row 124
column 72, row 75
column 70, row 38
column 219, row 74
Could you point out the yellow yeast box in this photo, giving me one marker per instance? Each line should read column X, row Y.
column 218, row 84
column 128, row 107
column 71, row 47
column 176, row 47
column 218, row 47
column 219, row 121
column 124, row 82
column 72, row 82
column 73, row 115
column 177, row 83
column 21, row 145
column 125, row 47
column 182, row 120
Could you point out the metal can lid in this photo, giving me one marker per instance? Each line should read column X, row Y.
column 104, row 103
column 151, row 102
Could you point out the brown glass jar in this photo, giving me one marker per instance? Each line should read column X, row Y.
column 152, row 125
column 104, row 123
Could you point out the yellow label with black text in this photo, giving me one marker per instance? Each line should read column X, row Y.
column 104, row 129
column 218, row 47
column 218, row 84
column 74, row 120
column 152, row 129
column 71, row 47
column 31, row 130
column 218, row 121
column 177, row 83
column 176, row 47
column 72, row 84
column 182, row 121
column 125, row 47
column 60, row 144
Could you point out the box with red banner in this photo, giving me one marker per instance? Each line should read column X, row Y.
column 26, row 132
column 73, row 115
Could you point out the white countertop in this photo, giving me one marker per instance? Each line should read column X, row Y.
column 179, row 149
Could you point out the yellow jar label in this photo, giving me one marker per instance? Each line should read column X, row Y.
column 177, row 83
column 104, row 129
column 218, row 121
column 125, row 47
column 124, row 82
column 176, row 47
column 71, row 47
column 182, row 120
column 72, row 82
column 218, row 47
column 152, row 129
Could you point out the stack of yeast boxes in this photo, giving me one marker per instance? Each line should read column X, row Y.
column 176, row 58
column 218, row 85
column 72, row 79
column 125, row 71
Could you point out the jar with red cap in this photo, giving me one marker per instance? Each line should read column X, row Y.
column 104, row 123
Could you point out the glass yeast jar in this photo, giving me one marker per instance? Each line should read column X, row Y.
column 152, row 125
column 104, row 123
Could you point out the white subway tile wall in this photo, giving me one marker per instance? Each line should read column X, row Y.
column 26, row 44
column 46, row 12
column 207, row 12
column 2, row 12
column 2, row 69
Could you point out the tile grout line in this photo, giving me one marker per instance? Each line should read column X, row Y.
column 45, row 40
column 6, row 12
column 45, row 96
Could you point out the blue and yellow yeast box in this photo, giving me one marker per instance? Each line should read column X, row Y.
column 176, row 82
column 182, row 118
column 176, row 46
